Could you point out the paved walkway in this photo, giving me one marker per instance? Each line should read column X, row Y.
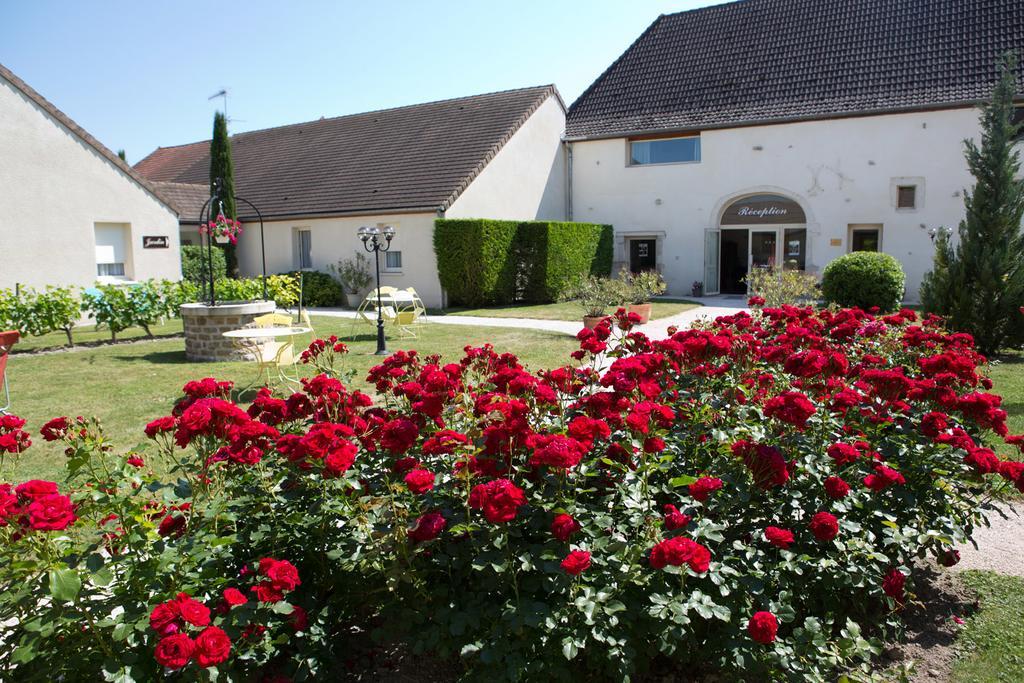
column 1000, row 546
column 656, row 329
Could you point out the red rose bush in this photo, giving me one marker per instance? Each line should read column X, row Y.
column 745, row 498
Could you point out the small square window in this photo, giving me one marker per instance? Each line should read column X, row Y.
column 906, row 197
column 392, row 260
column 110, row 269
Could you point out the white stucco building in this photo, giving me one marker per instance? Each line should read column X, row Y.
column 71, row 212
column 488, row 156
column 765, row 133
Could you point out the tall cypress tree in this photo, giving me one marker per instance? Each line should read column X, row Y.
column 222, row 170
column 979, row 284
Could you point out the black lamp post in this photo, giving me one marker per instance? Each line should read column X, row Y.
column 371, row 238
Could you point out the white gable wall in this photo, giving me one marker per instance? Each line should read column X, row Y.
column 526, row 178
column 54, row 189
column 841, row 171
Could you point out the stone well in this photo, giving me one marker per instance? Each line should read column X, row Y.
column 204, row 326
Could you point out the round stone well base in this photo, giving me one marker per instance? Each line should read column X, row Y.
column 205, row 325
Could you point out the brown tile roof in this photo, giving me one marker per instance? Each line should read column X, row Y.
column 419, row 157
column 186, row 198
column 80, row 132
column 756, row 61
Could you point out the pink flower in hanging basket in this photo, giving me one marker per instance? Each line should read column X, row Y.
column 222, row 227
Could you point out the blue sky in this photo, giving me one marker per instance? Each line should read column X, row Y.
column 137, row 74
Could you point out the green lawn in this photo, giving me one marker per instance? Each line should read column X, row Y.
column 89, row 335
column 1007, row 375
column 565, row 310
column 993, row 640
column 127, row 385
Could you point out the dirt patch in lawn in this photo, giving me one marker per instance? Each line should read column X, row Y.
column 930, row 639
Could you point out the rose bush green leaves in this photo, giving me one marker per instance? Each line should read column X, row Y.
column 746, row 498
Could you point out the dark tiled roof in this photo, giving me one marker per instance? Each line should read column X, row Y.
column 767, row 60
column 186, row 198
column 419, row 157
column 80, row 132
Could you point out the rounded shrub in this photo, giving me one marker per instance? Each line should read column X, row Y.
column 864, row 279
column 320, row 289
column 194, row 266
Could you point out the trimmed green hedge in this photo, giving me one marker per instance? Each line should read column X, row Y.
column 483, row 261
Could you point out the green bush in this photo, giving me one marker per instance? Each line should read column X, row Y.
column 779, row 286
column 864, row 279
column 36, row 313
column 320, row 289
column 483, row 261
column 194, row 265
column 283, row 289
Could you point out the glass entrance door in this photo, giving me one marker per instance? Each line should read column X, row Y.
column 764, row 246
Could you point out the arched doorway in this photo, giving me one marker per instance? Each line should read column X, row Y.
column 758, row 231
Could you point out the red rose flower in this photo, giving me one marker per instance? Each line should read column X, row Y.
column 174, row 651
column 555, row 450
column 234, row 597
column 576, row 562
column 763, row 627
column 983, row 460
column 428, row 527
column 51, row 512
column 212, row 647
column 791, row 407
column 55, row 429
column 136, row 461
column 399, row 435
column 161, row 425
column 266, row 592
column 704, row 487
column 883, row 478
column 892, row 584
column 563, row 526
column 419, row 480
column 674, row 519
column 165, row 618
column 340, row 458
column 843, row 453
column 192, row 611
column 949, row 557
column 499, row 500
column 824, row 526
column 8, row 504
column 836, row 488
column 780, row 538
column 678, row 551
column 281, row 573
column 34, row 488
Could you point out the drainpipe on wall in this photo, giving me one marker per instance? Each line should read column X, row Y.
column 568, row 183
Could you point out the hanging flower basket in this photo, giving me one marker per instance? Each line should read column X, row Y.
column 222, row 229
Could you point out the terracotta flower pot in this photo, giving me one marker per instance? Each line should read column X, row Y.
column 642, row 310
column 591, row 321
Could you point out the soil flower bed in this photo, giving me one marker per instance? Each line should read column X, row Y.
column 744, row 499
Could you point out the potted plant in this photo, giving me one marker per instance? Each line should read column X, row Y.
column 354, row 276
column 697, row 288
column 642, row 287
column 222, row 229
column 596, row 295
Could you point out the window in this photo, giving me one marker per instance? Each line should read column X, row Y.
column 794, row 246
column 664, row 151
column 865, row 238
column 906, row 197
column 393, row 260
column 110, row 269
column 112, row 253
column 304, row 247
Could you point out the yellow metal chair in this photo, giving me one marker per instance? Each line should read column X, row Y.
column 273, row 320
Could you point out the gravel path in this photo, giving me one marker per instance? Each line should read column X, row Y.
column 1000, row 546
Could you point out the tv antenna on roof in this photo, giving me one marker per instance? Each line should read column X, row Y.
column 223, row 92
